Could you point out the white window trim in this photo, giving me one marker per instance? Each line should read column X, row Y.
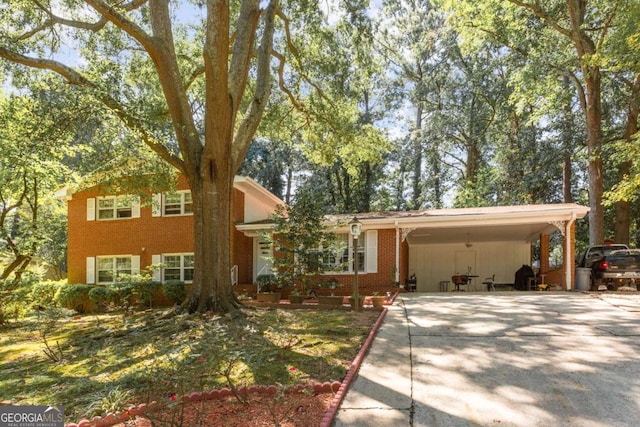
column 135, row 266
column 134, row 205
column 350, row 263
column 182, row 203
column 182, row 268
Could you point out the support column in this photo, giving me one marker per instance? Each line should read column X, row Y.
column 569, row 251
column 397, row 274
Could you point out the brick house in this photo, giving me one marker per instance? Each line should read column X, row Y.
column 434, row 245
column 109, row 235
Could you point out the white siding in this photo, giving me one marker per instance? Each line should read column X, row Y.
column 434, row 263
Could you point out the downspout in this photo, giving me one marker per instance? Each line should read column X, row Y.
column 569, row 256
column 397, row 274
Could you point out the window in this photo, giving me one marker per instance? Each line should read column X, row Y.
column 360, row 254
column 178, row 267
column 112, row 269
column 339, row 259
column 336, row 259
column 179, row 203
column 115, row 207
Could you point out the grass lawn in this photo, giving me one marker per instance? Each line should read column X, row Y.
column 101, row 363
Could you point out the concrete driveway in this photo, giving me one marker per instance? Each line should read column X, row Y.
column 501, row 359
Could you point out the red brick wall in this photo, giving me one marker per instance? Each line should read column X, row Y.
column 558, row 275
column 385, row 277
column 144, row 236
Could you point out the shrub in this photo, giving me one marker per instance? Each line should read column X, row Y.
column 101, row 297
column 264, row 282
column 43, row 293
column 147, row 292
column 12, row 310
column 123, row 293
column 75, row 297
column 174, row 290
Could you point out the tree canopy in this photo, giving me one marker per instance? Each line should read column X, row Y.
column 397, row 105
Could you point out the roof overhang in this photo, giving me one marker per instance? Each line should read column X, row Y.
column 248, row 185
column 522, row 223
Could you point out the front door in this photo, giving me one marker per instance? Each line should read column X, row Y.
column 262, row 256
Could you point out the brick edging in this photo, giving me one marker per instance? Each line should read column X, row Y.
column 140, row 410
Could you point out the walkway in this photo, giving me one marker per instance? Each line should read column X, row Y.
column 501, row 359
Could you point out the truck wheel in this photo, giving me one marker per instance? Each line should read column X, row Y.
column 595, row 284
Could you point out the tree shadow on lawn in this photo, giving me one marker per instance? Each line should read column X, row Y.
column 155, row 357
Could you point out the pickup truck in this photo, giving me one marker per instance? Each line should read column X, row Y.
column 612, row 266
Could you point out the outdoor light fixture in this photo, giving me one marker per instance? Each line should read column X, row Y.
column 355, row 228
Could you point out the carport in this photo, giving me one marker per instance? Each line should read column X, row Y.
column 487, row 241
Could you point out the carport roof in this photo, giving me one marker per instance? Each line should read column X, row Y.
column 497, row 223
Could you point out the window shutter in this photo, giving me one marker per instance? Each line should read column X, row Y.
column 135, row 207
column 156, row 204
column 91, row 270
column 157, row 273
column 135, row 264
column 91, row 209
column 371, row 251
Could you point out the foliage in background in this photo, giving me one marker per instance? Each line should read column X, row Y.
column 35, row 135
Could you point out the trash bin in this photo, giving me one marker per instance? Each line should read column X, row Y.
column 583, row 279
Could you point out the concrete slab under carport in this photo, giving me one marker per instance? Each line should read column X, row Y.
column 501, row 359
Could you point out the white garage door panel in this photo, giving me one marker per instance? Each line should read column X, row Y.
column 434, row 263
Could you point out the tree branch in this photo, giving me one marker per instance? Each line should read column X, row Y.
column 579, row 89
column 56, row 20
column 540, row 13
column 242, row 51
column 91, row 26
column 251, row 120
column 162, row 53
column 122, row 22
column 605, row 28
column 75, row 78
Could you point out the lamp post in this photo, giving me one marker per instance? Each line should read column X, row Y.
column 355, row 228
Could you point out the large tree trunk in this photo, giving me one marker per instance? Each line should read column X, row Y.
column 590, row 100
column 211, row 193
column 566, row 179
column 623, row 207
column 585, row 47
column 594, row 134
column 416, row 199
